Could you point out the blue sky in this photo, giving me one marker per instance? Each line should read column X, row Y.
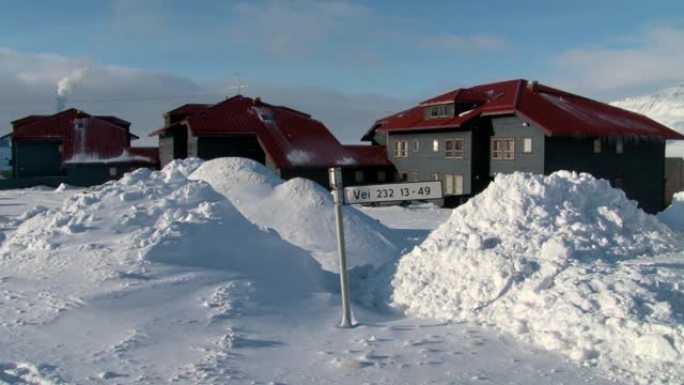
column 370, row 57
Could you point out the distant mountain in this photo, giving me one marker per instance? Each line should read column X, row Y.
column 665, row 106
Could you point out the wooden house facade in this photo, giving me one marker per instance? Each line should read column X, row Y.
column 290, row 142
column 466, row 136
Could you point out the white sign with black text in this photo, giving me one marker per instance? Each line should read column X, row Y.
column 393, row 192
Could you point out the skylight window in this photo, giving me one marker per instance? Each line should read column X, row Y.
column 265, row 115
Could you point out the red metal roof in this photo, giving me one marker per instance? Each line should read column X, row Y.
column 188, row 109
column 558, row 112
column 28, row 120
column 292, row 139
column 98, row 138
column 116, row 120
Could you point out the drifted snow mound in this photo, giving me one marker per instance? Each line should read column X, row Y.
column 121, row 228
column 673, row 216
column 301, row 211
column 556, row 261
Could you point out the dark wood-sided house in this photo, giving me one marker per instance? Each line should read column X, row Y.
column 76, row 148
column 466, row 136
column 288, row 141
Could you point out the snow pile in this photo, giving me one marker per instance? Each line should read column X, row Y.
column 557, row 261
column 118, row 229
column 301, row 211
column 673, row 216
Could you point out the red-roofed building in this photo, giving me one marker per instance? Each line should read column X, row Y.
column 466, row 136
column 75, row 147
column 290, row 142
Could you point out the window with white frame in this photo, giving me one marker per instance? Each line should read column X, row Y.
column 400, row 148
column 453, row 148
column 619, row 146
column 435, row 176
column 435, row 145
column 439, row 111
column 416, row 145
column 503, row 148
column 527, row 145
column 597, row 146
column 453, row 184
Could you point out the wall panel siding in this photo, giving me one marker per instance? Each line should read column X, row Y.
column 38, row 159
column 518, row 128
column 166, row 153
column 641, row 166
column 425, row 162
column 236, row 146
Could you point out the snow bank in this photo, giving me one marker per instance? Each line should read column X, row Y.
column 120, row 228
column 301, row 211
column 673, row 216
column 555, row 260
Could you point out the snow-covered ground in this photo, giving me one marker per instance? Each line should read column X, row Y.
column 219, row 273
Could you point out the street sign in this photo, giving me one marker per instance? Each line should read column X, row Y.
column 393, row 192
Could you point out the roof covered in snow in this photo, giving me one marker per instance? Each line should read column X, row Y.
column 558, row 112
column 291, row 138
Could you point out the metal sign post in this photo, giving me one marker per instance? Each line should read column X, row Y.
column 335, row 175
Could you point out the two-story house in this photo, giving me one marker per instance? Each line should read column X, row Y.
column 466, row 136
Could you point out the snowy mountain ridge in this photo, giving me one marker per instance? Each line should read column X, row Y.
column 665, row 106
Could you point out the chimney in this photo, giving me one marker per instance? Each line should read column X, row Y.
column 531, row 85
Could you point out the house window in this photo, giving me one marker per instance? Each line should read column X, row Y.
column 358, row 176
column 503, row 148
column 527, row 145
column 435, row 145
column 400, row 148
column 112, row 171
column 453, row 148
column 403, row 176
column 619, row 146
column 416, row 145
column 439, row 111
column 597, row 146
column 435, row 176
column 382, row 176
column 453, row 184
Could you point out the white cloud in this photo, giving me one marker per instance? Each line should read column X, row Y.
column 650, row 60
column 28, row 85
column 455, row 43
